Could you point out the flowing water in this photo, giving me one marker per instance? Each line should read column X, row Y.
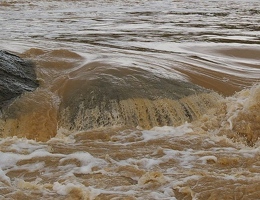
column 150, row 99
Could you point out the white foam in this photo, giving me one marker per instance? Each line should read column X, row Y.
column 249, row 152
column 25, row 145
column 184, row 157
column 41, row 153
column 8, row 159
column 20, row 144
column 165, row 131
column 87, row 162
column 205, row 159
column 65, row 189
column 9, row 163
column 149, row 163
column 29, row 167
column 26, row 151
column 4, row 178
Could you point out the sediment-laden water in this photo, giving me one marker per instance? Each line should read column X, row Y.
column 137, row 100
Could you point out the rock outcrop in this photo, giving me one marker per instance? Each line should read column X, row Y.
column 16, row 76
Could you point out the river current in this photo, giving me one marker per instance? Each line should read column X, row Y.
column 150, row 99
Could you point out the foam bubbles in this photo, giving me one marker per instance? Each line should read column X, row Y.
column 208, row 159
column 87, row 162
column 160, row 163
column 166, row 131
column 77, row 191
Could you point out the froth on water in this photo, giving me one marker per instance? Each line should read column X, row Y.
column 99, row 137
column 122, row 111
column 213, row 157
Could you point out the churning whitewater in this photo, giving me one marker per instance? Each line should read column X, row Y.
column 129, row 100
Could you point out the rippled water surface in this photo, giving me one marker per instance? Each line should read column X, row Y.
column 216, row 40
column 137, row 100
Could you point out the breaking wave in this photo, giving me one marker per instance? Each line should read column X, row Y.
column 237, row 117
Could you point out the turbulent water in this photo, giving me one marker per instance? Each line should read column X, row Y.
column 150, row 99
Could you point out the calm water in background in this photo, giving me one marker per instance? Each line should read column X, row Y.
column 217, row 39
column 215, row 44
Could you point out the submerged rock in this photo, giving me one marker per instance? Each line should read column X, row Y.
column 96, row 96
column 16, row 76
column 75, row 97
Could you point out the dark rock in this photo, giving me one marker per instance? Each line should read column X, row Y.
column 16, row 76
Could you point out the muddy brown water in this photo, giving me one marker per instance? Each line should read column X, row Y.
column 137, row 100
